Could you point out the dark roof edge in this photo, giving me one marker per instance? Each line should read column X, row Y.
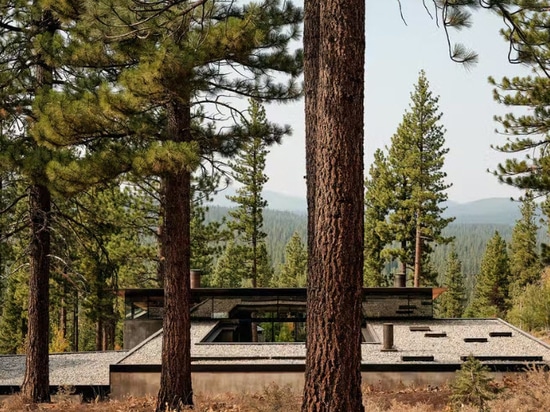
column 365, row 367
column 528, row 335
column 392, row 291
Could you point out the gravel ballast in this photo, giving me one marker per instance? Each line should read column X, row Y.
column 442, row 339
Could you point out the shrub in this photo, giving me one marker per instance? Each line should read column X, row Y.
column 529, row 391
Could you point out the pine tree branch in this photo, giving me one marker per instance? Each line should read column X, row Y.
column 12, row 204
column 139, row 32
column 15, row 231
column 508, row 19
column 10, row 27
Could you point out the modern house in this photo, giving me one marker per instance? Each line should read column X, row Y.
column 244, row 339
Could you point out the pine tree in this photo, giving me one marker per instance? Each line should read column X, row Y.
column 530, row 309
column 205, row 239
column 248, row 169
column 334, row 84
column 10, row 224
column 30, row 44
column 161, row 70
column 452, row 302
column 110, row 248
column 13, row 318
column 529, row 45
column 230, row 268
column 491, row 291
column 525, row 264
column 416, row 158
column 472, row 386
column 545, row 248
column 14, row 242
column 133, row 217
column 377, row 202
column 293, row 272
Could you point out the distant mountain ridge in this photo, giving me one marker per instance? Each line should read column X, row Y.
column 275, row 201
column 496, row 210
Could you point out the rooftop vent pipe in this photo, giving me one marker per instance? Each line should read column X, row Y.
column 387, row 338
column 400, row 280
column 196, row 278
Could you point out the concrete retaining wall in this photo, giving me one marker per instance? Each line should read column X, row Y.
column 125, row 384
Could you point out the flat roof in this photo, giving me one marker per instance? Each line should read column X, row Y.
column 494, row 341
column 446, row 341
column 71, row 368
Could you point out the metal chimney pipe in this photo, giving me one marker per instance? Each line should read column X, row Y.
column 400, row 280
column 387, row 338
column 195, row 278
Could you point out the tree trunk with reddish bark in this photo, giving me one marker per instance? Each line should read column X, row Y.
column 417, row 252
column 175, row 382
column 334, row 51
column 36, row 383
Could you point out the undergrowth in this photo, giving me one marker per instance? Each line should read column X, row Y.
column 525, row 392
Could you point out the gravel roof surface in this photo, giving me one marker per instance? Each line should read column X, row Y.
column 449, row 349
column 92, row 368
column 82, row 368
column 446, row 350
column 150, row 351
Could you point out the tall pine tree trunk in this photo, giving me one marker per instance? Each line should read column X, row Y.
column 335, row 168
column 1, row 227
column 63, row 315
column 36, row 383
column 417, row 252
column 161, row 267
column 311, row 78
column 403, row 263
column 175, row 382
column 99, row 333
column 105, row 327
column 75, row 323
column 254, row 325
column 109, row 324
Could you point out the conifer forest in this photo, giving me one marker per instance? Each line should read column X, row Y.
column 122, row 120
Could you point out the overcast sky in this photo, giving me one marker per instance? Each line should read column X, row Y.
column 396, row 52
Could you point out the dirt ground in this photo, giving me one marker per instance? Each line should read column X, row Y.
column 424, row 399
column 433, row 397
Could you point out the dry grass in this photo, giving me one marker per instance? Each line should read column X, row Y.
column 529, row 392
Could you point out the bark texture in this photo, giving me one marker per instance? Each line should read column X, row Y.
column 311, row 77
column 334, row 164
column 36, row 383
column 417, row 253
column 175, row 381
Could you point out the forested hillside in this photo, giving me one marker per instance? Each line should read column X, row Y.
column 279, row 226
column 470, row 238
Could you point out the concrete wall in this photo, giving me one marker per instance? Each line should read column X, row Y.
column 125, row 384
column 137, row 330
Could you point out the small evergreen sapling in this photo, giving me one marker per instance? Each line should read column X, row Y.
column 472, row 386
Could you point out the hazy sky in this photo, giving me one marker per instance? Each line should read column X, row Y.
column 395, row 54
